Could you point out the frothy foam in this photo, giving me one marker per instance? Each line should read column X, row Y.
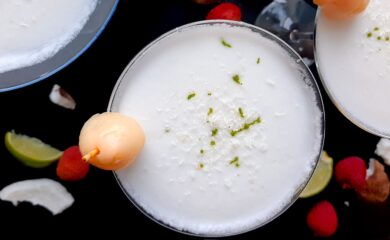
column 184, row 180
column 35, row 30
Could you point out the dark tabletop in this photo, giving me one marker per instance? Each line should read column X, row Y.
column 100, row 206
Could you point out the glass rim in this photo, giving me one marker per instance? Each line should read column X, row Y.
column 294, row 55
column 331, row 96
column 53, row 71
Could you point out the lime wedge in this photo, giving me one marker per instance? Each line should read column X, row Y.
column 31, row 151
column 321, row 176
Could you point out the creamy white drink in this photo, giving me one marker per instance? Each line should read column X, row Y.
column 34, row 30
column 232, row 130
column 353, row 57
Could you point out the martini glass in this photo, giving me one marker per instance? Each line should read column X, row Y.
column 292, row 21
column 125, row 80
column 26, row 76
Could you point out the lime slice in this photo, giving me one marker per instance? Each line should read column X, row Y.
column 31, row 151
column 321, row 176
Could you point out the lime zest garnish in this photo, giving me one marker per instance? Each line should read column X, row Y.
column 235, row 161
column 191, row 95
column 236, row 78
column 226, row 44
column 241, row 112
column 246, row 126
column 211, row 111
column 214, row 132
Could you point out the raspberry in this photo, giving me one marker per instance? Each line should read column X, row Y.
column 351, row 173
column 227, row 11
column 71, row 167
column 322, row 219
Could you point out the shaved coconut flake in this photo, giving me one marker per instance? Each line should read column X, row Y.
column 371, row 168
column 44, row 192
column 383, row 150
column 60, row 97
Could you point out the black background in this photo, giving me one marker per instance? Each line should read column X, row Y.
column 100, row 206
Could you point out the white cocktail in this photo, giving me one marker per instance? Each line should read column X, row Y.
column 33, row 31
column 233, row 123
column 353, row 58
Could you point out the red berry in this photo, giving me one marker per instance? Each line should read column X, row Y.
column 322, row 219
column 227, row 11
column 351, row 173
column 71, row 166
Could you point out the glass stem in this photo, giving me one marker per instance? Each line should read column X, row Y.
column 296, row 36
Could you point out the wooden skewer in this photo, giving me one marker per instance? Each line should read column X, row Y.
column 91, row 154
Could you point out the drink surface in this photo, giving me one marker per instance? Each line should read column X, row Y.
column 35, row 30
column 354, row 61
column 232, row 129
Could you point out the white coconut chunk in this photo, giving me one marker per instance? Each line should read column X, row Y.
column 383, row 150
column 60, row 97
column 44, row 192
column 371, row 168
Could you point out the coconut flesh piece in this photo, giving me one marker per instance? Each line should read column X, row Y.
column 383, row 150
column 44, row 192
column 377, row 188
column 62, row 98
column 371, row 168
